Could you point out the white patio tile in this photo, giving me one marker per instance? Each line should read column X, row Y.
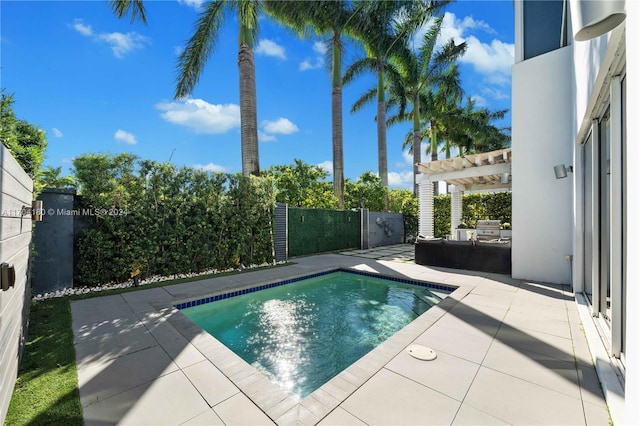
column 517, row 401
column 100, row 380
column 552, row 373
column 472, row 346
column 239, row 410
column 391, row 399
column 341, row 417
column 210, row 382
column 446, row 374
column 209, row 417
column 469, row 416
column 168, row 400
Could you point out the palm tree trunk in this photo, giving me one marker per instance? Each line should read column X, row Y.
column 248, row 112
column 417, row 155
column 382, row 136
column 336, row 122
column 434, row 152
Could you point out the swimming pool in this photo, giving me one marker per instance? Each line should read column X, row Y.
column 302, row 335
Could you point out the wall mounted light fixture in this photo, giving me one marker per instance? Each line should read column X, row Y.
column 561, row 171
column 505, row 177
column 597, row 17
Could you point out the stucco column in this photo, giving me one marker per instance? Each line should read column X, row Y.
column 456, row 210
column 425, row 208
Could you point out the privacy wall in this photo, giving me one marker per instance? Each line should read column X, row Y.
column 15, row 237
column 318, row 230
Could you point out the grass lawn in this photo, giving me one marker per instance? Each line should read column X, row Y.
column 46, row 392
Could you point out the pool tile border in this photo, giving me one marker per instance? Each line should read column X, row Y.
column 223, row 296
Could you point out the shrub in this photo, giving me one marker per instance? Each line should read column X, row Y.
column 156, row 219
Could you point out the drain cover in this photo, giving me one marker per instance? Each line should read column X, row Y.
column 422, row 353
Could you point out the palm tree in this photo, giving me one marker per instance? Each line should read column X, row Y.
column 422, row 73
column 475, row 131
column 193, row 58
column 384, row 28
column 326, row 18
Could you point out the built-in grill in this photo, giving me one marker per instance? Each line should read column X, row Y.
column 488, row 230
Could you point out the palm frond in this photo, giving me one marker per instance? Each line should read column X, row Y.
column 199, row 47
column 368, row 97
column 134, row 7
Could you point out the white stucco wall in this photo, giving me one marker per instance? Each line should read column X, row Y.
column 632, row 342
column 542, row 137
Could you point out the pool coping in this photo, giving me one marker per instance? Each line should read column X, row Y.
column 280, row 406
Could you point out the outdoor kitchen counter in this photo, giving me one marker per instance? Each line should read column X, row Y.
column 479, row 256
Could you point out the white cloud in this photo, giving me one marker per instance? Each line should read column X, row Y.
column 126, row 137
column 281, row 126
column 264, row 137
column 494, row 93
column 210, row 168
column 196, row 4
column 327, row 165
column 177, row 50
column 489, row 58
column 121, row 44
column 57, row 133
column 402, row 180
column 408, row 157
column 486, row 58
column 83, row 29
column 201, row 116
column 480, row 101
column 270, row 48
column 320, row 47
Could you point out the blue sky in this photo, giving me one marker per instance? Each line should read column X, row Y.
column 98, row 84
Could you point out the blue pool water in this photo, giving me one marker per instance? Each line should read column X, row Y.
column 301, row 335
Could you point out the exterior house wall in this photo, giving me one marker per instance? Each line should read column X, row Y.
column 595, row 66
column 632, row 261
column 542, row 138
column 15, row 238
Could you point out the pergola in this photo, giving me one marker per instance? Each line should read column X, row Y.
column 483, row 171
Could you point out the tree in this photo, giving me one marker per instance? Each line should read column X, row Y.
column 440, row 113
column 193, row 58
column 383, row 28
column 367, row 192
column 475, row 131
column 421, row 72
column 333, row 19
column 302, row 185
column 26, row 141
column 51, row 177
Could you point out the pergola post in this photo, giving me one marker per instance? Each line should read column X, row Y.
column 425, row 208
column 456, row 210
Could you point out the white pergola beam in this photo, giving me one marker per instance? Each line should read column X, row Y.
column 487, row 186
column 471, row 172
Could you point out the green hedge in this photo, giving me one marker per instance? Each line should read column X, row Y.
column 475, row 207
column 153, row 218
column 319, row 230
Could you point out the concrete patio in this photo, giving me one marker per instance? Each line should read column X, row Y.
column 509, row 352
